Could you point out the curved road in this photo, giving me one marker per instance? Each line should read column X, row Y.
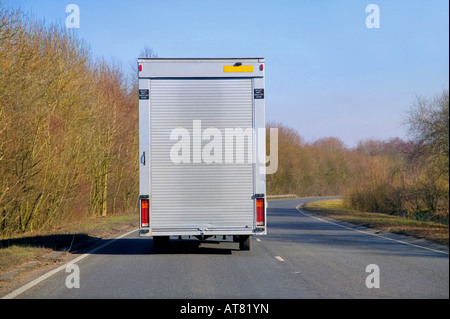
column 301, row 257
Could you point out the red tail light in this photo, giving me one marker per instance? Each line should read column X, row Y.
column 260, row 212
column 144, row 213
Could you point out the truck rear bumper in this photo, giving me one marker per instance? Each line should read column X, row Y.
column 201, row 232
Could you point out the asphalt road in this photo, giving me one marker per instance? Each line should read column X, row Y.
column 301, row 257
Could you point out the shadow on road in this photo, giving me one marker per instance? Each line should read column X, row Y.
column 58, row 242
column 82, row 243
column 144, row 246
column 197, row 247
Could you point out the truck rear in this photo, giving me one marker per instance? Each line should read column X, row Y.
column 202, row 149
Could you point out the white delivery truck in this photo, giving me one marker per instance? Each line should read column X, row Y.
column 202, row 149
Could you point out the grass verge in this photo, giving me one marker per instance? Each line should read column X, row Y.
column 335, row 209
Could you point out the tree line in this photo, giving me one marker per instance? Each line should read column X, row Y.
column 68, row 133
column 408, row 178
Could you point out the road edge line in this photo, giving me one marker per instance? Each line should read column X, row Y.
column 47, row 275
column 299, row 209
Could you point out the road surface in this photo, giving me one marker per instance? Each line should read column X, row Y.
column 301, row 257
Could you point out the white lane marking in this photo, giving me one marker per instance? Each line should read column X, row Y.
column 279, row 258
column 33, row 283
column 367, row 233
column 257, row 239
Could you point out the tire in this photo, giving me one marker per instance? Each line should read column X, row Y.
column 245, row 242
column 159, row 242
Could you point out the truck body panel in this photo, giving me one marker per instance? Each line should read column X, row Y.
column 202, row 146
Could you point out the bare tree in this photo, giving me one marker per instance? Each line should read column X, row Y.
column 148, row 52
column 428, row 123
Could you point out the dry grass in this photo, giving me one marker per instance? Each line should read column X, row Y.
column 17, row 255
column 384, row 222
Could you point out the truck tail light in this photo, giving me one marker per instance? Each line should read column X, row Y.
column 144, row 213
column 260, row 212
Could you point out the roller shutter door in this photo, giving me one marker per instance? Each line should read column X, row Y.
column 207, row 195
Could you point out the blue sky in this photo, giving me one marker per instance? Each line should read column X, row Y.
column 327, row 74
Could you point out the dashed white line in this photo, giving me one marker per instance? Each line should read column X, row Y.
column 279, row 258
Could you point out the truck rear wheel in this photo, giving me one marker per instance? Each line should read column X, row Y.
column 245, row 242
